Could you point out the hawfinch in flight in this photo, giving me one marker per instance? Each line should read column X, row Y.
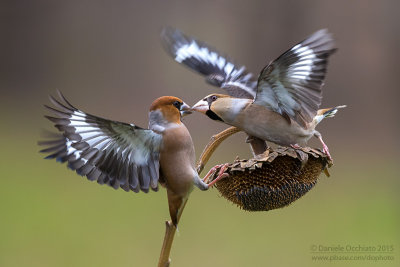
column 127, row 156
column 281, row 106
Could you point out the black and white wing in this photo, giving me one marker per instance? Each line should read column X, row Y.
column 292, row 84
column 114, row 153
column 219, row 70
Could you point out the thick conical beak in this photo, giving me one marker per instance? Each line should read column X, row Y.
column 201, row 106
column 185, row 109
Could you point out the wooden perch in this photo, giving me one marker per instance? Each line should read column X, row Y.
column 170, row 230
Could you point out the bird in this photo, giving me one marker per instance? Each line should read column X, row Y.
column 127, row 156
column 281, row 106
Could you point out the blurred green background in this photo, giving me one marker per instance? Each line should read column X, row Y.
column 107, row 59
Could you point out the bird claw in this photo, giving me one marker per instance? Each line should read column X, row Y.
column 325, row 149
column 221, row 173
column 295, row 146
column 211, row 172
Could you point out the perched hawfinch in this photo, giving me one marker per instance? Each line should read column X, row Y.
column 127, row 156
column 281, row 106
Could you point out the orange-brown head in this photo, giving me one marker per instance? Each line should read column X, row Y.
column 172, row 108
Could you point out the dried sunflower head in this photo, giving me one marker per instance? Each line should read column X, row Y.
column 273, row 180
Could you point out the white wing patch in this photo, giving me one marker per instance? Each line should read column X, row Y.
column 71, row 150
column 229, row 68
column 303, row 67
column 203, row 54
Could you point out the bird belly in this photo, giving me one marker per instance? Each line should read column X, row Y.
column 178, row 178
column 271, row 126
column 177, row 159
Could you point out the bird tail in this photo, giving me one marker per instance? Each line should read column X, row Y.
column 326, row 113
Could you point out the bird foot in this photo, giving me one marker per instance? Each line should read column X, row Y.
column 221, row 173
column 212, row 171
column 325, row 149
column 295, row 146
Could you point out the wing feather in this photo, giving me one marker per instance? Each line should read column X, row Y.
column 113, row 153
column 292, row 84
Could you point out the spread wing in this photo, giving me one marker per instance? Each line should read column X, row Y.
column 218, row 69
column 114, row 153
column 291, row 85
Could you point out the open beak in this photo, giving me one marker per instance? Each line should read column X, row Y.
column 201, row 106
column 185, row 109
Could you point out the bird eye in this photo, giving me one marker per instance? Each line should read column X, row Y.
column 177, row 104
column 213, row 98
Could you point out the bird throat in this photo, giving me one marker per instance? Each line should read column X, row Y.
column 213, row 116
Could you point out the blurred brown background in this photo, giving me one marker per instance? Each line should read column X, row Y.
column 106, row 57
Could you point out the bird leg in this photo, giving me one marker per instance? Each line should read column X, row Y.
column 324, row 146
column 221, row 174
column 258, row 146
